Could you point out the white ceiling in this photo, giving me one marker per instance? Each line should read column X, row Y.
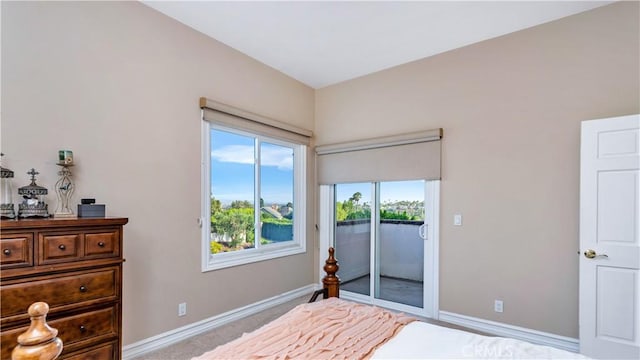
column 323, row 43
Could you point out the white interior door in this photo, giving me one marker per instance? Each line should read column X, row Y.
column 609, row 238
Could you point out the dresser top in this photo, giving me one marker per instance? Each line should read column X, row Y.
column 64, row 222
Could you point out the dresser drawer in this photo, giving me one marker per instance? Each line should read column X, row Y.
column 60, row 248
column 72, row 330
column 102, row 244
column 104, row 352
column 16, row 250
column 78, row 246
column 86, row 326
column 60, row 292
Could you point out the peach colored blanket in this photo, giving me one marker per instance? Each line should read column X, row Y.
column 328, row 329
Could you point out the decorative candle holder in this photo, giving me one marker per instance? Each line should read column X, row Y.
column 65, row 157
column 33, row 204
column 64, row 191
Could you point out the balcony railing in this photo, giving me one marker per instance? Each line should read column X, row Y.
column 401, row 249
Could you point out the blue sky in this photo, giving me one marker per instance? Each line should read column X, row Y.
column 232, row 169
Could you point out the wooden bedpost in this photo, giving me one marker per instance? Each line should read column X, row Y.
column 331, row 283
column 39, row 342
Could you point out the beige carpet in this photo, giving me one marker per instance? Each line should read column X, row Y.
column 202, row 343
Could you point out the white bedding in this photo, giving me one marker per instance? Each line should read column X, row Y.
column 419, row 340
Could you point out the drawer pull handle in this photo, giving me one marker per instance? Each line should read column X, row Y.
column 101, row 244
column 62, row 247
column 6, row 252
column 82, row 328
column 83, row 289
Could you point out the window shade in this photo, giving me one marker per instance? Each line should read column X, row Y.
column 230, row 116
column 401, row 157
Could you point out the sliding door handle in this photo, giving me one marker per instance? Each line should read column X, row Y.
column 422, row 231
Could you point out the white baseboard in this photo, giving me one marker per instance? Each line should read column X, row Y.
column 516, row 332
column 182, row 333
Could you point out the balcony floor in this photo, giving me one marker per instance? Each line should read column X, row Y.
column 391, row 289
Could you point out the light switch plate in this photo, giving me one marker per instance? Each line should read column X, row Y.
column 457, row 220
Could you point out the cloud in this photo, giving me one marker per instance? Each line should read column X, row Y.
column 239, row 154
column 280, row 157
column 277, row 156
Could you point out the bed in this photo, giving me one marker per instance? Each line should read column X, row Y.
column 340, row 329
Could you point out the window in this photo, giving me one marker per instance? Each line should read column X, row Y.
column 254, row 191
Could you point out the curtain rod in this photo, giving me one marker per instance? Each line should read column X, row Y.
column 231, row 110
column 403, row 139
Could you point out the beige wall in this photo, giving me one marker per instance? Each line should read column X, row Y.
column 511, row 109
column 118, row 83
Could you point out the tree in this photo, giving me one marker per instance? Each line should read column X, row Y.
column 236, row 223
column 356, row 197
column 341, row 213
column 359, row 214
column 347, row 205
column 216, row 205
column 241, row 204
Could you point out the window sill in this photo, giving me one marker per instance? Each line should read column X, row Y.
column 244, row 257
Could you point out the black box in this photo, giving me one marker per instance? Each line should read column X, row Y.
column 90, row 210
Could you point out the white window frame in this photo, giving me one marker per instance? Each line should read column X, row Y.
column 259, row 253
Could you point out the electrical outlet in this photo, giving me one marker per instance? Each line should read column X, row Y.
column 498, row 306
column 182, row 309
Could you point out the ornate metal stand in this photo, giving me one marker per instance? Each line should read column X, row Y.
column 7, row 210
column 64, row 191
column 33, row 204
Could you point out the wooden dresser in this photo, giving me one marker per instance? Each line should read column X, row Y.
column 74, row 265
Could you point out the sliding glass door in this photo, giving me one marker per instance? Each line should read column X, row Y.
column 399, row 265
column 353, row 236
column 380, row 232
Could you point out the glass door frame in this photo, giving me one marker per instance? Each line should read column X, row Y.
column 326, row 233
